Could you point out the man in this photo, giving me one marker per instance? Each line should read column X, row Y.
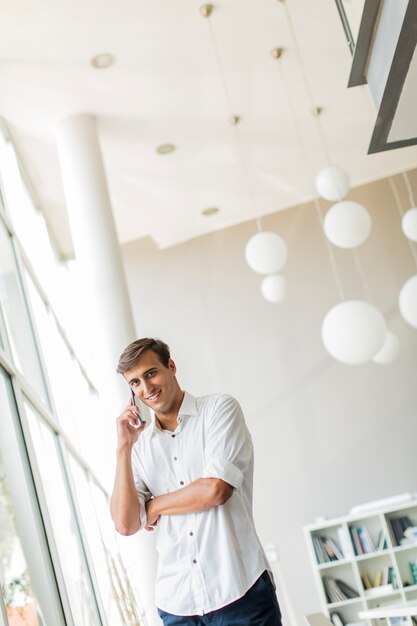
column 189, row 476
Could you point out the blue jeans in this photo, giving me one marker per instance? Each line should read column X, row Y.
column 258, row 607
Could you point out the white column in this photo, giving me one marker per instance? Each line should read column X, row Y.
column 106, row 299
column 93, row 231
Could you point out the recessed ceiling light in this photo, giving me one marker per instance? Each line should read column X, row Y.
column 166, row 148
column 102, row 61
column 210, row 211
column 234, row 120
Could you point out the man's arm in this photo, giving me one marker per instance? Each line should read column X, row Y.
column 124, row 503
column 200, row 495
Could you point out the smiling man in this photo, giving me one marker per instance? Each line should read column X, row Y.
column 189, row 476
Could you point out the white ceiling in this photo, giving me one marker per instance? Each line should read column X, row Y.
column 166, row 86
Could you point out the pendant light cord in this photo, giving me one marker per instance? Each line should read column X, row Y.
column 358, row 266
column 401, row 212
column 306, row 83
column 232, row 114
column 409, row 190
column 330, row 251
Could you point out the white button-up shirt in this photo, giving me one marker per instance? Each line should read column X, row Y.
column 207, row 559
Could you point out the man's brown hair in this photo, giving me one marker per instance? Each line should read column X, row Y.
column 131, row 355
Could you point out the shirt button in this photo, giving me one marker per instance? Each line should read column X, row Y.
column 173, row 436
column 194, row 560
column 191, row 534
column 175, row 458
column 181, row 482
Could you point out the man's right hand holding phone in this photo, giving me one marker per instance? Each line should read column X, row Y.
column 128, row 426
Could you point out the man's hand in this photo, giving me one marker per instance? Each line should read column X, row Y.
column 128, row 427
column 151, row 516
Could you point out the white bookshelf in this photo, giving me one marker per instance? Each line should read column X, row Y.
column 354, row 567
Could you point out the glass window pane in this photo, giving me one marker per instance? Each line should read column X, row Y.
column 15, row 581
column 72, row 559
column 19, row 331
column 32, row 232
column 127, row 598
column 58, row 360
column 27, row 220
column 77, row 405
column 62, row 281
column 111, row 601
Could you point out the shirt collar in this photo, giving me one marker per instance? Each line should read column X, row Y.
column 188, row 407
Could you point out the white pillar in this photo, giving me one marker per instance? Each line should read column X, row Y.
column 93, row 231
column 97, row 252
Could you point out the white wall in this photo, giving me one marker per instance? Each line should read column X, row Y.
column 326, row 436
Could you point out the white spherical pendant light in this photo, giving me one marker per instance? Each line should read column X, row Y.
column 409, row 224
column 332, row 183
column 353, row 332
column 347, row 224
column 266, row 253
column 407, row 301
column 389, row 351
column 274, row 288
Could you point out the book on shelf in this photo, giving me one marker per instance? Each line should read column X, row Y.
column 356, row 541
column 366, row 581
column 365, row 539
column 399, row 525
column 336, row 619
column 337, row 590
column 381, row 542
column 384, row 580
column 348, row 591
column 332, row 591
column 385, row 576
column 362, row 540
column 413, row 569
column 345, row 542
column 411, row 534
column 326, row 549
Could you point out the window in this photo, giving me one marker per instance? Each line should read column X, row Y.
column 16, row 319
column 77, row 404
column 117, row 596
column 65, row 558
column 127, row 599
column 15, row 580
column 18, row 596
column 64, row 524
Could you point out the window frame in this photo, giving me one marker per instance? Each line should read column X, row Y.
column 30, row 521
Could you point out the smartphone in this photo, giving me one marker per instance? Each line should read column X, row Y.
column 134, row 404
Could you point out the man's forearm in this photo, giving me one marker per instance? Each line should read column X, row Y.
column 200, row 495
column 124, row 503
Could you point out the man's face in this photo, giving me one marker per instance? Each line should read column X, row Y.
column 153, row 383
